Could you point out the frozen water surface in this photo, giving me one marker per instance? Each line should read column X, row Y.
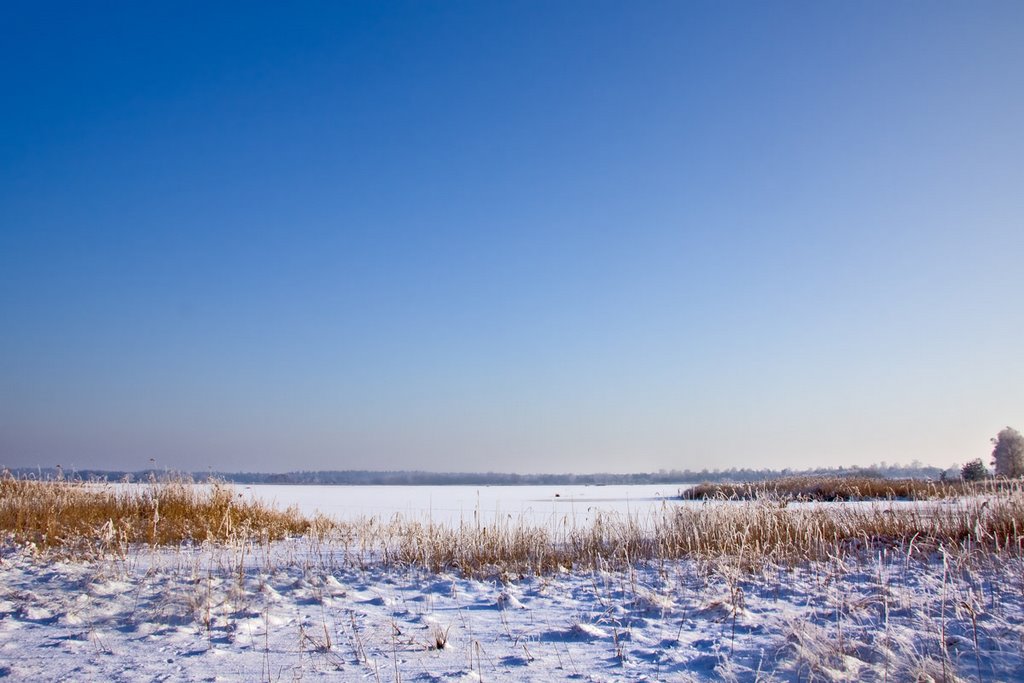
column 469, row 504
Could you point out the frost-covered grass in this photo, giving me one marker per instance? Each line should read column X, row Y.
column 741, row 590
column 755, row 532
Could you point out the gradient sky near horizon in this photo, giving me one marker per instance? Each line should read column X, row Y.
column 527, row 237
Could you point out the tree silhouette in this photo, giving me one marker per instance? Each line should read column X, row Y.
column 1008, row 453
column 974, row 471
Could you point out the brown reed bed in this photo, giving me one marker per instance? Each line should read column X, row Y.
column 842, row 489
column 66, row 513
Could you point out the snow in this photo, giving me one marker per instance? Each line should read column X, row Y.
column 301, row 608
column 292, row 610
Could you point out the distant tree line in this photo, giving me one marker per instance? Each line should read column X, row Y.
column 419, row 478
column 1007, row 461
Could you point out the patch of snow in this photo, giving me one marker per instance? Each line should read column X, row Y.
column 302, row 611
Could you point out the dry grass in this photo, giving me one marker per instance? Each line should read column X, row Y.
column 73, row 514
column 80, row 518
column 841, row 489
column 752, row 532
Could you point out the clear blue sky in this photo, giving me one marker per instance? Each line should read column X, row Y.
column 524, row 237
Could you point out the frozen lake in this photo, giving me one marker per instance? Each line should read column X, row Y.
column 468, row 504
column 536, row 505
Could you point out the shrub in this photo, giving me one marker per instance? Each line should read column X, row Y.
column 975, row 470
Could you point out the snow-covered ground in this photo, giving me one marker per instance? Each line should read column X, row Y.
column 301, row 610
column 326, row 610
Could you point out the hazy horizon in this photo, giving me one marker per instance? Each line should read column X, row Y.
column 541, row 237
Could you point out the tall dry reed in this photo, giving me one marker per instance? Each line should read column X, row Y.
column 65, row 513
column 754, row 532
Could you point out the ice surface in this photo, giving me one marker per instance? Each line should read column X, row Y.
column 469, row 504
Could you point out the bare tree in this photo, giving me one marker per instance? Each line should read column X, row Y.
column 1008, row 453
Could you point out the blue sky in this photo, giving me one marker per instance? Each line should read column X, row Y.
column 520, row 237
